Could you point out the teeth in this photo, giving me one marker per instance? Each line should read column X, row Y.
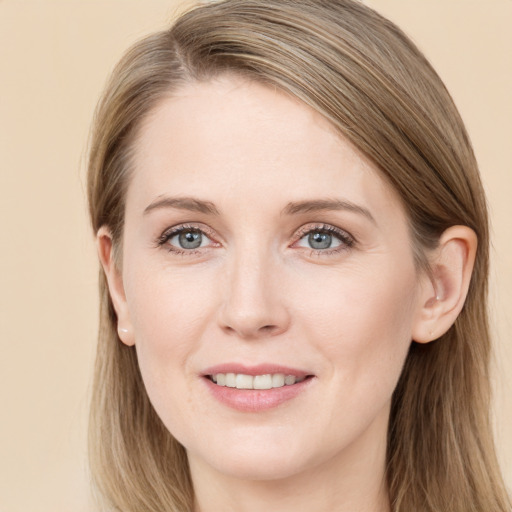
column 263, row 382
column 278, row 380
column 242, row 381
column 289, row 380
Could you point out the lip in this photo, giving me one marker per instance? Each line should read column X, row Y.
column 256, row 400
column 259, row 369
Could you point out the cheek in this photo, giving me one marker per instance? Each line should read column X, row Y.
column 165, row 303
column 362, row 322
column 169, row 312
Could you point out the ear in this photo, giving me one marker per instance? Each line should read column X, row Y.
column 446, row 287
column 115, row 285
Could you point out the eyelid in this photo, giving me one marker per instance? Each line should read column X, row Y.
column 347, row 240
column 172, row 231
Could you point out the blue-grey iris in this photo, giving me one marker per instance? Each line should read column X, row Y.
column 190, row 239
column 320, row 240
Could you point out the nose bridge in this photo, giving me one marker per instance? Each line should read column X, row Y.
column 253, row 305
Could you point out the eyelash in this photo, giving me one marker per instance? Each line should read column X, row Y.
column 347, row 240
column 170, row 233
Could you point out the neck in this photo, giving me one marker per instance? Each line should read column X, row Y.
column 350, row 481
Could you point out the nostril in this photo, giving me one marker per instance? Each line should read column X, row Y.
column 246, row 331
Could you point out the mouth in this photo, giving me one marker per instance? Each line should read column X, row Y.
column 256, row 382
column 256, row 388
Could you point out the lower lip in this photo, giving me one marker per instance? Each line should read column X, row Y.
column 256, row 400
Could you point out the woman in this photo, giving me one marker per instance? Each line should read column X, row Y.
column 294, row 243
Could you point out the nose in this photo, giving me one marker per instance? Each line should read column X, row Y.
column 253, row 305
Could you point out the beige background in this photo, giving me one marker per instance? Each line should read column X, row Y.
column 54, row 58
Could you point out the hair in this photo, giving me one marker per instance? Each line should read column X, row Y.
column 359, row 71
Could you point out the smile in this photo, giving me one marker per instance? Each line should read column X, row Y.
column 256, row 388
column 243, row 381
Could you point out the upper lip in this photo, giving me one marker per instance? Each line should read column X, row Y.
column 259, row 369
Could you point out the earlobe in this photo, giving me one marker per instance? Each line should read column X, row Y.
column 446, row 288
column 115, row 285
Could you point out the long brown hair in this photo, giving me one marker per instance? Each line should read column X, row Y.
column 369, row 80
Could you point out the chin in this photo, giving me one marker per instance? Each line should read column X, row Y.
column 269, row 459
column 249, row 466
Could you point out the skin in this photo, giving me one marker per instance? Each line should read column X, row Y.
column 256, row 292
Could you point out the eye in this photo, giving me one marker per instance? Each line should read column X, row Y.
column 188, row 239
column 324, row 239
column 320, row 240
column 185, row 239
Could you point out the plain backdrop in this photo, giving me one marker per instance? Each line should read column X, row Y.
column 54, row 60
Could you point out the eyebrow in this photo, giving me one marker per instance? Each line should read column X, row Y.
column 319, row 205
column 183, row 203
column 293, row 208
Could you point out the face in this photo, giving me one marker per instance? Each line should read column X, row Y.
column 268, row 282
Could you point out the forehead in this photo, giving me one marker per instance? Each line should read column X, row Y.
column 234, row 136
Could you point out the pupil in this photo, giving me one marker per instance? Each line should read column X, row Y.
column 320, row 240
column 190, row 239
